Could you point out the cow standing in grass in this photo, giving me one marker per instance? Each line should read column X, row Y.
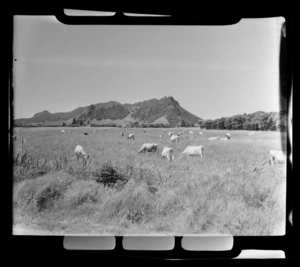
column 130, row 136
column 167, row 153
column 80, row 153
column 149, row 147
column 193, row 151
column 174, row 138
column 277, row 156
column 226, row 138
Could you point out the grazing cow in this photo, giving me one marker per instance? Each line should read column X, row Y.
column 149, row 147
column 193, row 151
column 171, row 133
column 251, row 133
column 277, row 156
column 130, row 136
column 86, row 133
column 174, row 138
column 79, row 152
column 191, row 132
column 121, row 134
column 200, row 133
column 167, row 153
column 62, row 131
column 214, row 138
column 95, row 130
column 226, row 138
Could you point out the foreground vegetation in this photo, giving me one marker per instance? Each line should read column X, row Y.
column 232, row 190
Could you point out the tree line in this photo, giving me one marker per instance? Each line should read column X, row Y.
column 258, row 121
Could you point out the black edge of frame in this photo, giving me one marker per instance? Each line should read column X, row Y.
column 45, row 245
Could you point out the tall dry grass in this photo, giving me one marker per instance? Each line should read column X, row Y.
column 231, row 190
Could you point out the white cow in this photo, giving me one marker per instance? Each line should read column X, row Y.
column 251, row 133
column 79, row 152
column 226, row 138
column 62, row 131
column 277, row 156
column 200, row 133
column 191, row 132
column 171, row 133
column 149, row 147
column 130, row 136
column 193, row 151
column 214, row 138
column 167, row 153
column 174, row 138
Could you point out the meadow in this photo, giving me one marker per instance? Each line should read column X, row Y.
column 231, row 190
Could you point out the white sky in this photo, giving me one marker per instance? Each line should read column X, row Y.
column 212, row 71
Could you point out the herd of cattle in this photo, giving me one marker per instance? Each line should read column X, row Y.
column 168, row 152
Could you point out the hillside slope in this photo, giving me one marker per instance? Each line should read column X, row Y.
column 138, row 114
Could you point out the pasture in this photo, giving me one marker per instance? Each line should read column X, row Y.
column 231, row 190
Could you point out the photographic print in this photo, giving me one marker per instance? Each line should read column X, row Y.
column 148, row 130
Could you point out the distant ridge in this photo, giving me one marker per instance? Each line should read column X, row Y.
column 164, row 112
column 154, row 112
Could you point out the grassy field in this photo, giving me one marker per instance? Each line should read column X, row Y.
column 231, row 190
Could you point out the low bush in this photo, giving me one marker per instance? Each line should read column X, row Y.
column 40, row 194
column 81, row 192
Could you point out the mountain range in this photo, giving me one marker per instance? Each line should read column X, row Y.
column 154, row 112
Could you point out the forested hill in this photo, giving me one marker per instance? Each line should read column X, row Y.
column 257, row 121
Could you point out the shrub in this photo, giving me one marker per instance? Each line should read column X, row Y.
column 40, row 194
column 108, row 176
column 46, row 198
column 82, row 192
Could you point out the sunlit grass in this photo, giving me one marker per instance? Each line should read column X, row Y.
column 231, row 190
